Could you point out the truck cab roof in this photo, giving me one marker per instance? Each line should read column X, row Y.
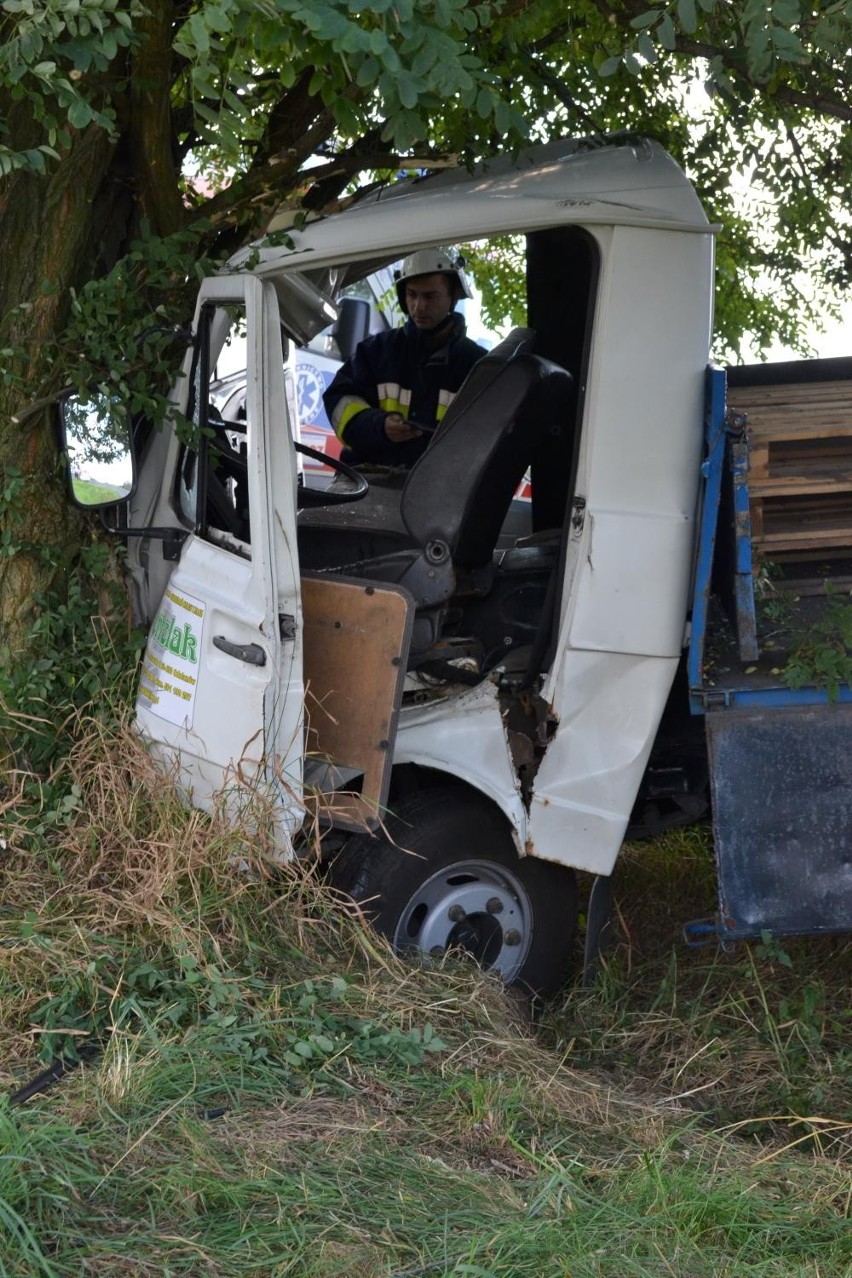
column 622, row 180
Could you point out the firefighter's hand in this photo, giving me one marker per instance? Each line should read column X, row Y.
column 398, row 430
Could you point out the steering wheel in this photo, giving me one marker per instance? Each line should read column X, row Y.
column 331, row 496
column 236, row 463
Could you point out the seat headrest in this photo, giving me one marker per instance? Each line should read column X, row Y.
column 517, row 342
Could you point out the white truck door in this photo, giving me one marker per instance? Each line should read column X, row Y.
column 221, row 687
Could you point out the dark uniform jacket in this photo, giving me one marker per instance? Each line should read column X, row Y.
column 401, row 371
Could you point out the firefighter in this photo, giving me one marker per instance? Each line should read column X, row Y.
column 386, row 400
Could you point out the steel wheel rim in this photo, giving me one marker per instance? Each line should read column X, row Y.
column 475, row 908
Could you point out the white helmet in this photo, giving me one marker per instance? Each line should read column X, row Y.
column 432, row 261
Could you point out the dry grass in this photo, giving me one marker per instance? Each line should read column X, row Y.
column 275, row 1092
column 755, row 1039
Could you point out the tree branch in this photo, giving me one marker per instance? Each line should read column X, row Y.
column 733, row 62
column 155, row 174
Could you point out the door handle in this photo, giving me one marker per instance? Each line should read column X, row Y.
column 250, row 652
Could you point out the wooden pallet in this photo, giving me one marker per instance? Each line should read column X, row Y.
column 800, row 465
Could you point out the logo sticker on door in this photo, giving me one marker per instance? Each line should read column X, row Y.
column 169, row 677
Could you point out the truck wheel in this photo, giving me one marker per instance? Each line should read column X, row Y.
column 444, row 875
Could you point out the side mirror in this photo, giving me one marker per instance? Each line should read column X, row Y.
column 98, row 443
column 352, row 325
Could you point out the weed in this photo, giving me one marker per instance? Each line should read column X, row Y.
column 774, row 604
column 275, row 1093
column 770, row 948
column 822, row 656
column 760, row 1030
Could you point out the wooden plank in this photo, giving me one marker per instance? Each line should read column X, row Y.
column 810, row 520
column 794, row 485
column 836, row 539
column 795, row 410
column 826, row 457
column 758, row 460
column 815, row 393
column 829, row 510
column 800, row 465
column 804, row 426
column 816, row 584
column 786, row 454
column 356, row 639
column 756, row 518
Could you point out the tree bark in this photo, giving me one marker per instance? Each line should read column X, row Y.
column 64, row 228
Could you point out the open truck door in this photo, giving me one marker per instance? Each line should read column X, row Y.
column 220, row 692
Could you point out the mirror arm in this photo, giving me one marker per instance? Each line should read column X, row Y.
column 172, row 538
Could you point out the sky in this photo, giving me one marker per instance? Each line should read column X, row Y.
column 837, row 340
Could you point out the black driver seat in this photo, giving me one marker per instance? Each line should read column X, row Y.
column 458, row 493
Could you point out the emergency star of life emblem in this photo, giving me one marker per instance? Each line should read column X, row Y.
column 309, row 389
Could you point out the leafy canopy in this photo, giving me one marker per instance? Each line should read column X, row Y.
column 229, row 109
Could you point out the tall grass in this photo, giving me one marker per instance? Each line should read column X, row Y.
column 758, row 1036
column 263, row 1088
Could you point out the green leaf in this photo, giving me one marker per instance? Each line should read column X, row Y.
column 609, row 66
column 217, row 19
column 409, row 90
column 504, row 118
column 79, row 114
column 203, row 83
column 789, row 46
column 787, row 13
column 686, row 15
column 645, row 19
column 378, row 43
column 346, row 116
column 353, row 40
column 391, row 60
column 424, row 60
column 35, row 160
column 404, row 129
column 367, row 72
column 200, row 34
column 208, row 113
column 646, row 48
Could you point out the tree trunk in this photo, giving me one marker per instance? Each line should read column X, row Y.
column 60, row 230
column 57, row 232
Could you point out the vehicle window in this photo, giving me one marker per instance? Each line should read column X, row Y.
column 212, row 492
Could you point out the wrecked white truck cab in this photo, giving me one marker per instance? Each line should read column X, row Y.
column 396, row 664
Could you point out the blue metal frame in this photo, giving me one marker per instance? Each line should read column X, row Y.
column 780, row 696
column 711, row 470
column 743, row 575
column 776, row 779
column 718, row 456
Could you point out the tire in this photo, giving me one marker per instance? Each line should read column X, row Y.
column 444, row 875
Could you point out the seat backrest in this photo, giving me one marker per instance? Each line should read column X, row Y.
column 460, row 490
column 518, row 342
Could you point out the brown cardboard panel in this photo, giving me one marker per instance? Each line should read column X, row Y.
column 356, row 638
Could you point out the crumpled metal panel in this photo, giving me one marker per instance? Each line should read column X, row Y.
column 781, row 786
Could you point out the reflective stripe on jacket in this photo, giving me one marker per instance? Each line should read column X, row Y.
column 400, row 371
